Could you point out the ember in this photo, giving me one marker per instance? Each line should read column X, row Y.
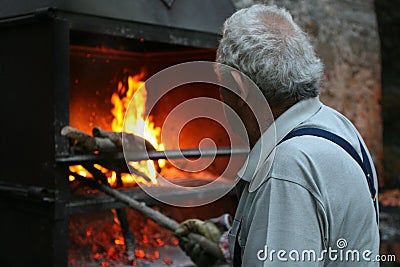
column 97, row 238
column 167, row 261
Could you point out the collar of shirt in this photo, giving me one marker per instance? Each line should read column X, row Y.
column 284, row 124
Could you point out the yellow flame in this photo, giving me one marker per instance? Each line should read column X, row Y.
column 135, row 123
column 79, row 170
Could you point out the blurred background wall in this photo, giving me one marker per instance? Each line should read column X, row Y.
column 359, row 41
column 345, row 35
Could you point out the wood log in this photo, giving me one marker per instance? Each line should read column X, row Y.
column 115, row 137
column 132, row 143
column 129, row 238
column 87, row 142
column 109, row 142
column 74, row 134
column 152, row 214
column 105, row 141
column 100, row 144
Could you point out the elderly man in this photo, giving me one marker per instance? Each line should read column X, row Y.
column 315, row 205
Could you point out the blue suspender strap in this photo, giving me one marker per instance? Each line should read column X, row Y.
column 364, row 162
column 237, row 252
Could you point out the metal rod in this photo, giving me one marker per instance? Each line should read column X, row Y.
column 153, row 155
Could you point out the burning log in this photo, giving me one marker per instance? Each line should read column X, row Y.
column 131, row 142
column 129, row 238
column 74, row 134
column 109, row 142
column 150, row 213
column 101, row 145
column 115, row 137
column 85, row 142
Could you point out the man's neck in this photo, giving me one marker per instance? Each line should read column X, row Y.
column 279, row 110
column 276, row 112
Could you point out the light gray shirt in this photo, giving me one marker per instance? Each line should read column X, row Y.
column 310, row 205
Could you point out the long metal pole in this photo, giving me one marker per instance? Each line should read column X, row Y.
column 153, row 155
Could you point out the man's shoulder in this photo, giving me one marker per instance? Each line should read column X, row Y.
column 306, row 155
column 335, row 122
column 331, row 119
column 308, row 159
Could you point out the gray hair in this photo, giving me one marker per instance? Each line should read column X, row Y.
column 266, row 44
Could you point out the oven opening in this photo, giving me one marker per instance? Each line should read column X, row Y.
column 106, row 77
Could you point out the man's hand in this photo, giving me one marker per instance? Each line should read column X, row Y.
column 192, row 249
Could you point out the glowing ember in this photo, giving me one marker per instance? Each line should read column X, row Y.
column 135, row 123
column 167, row 261
column 140, row 253
column 79, row 170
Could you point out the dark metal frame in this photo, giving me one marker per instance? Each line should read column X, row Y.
column 35, row 79
column 182, row 22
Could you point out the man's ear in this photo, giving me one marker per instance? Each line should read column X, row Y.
column 244, row 89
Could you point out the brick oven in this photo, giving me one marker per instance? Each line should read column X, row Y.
column 61, row 64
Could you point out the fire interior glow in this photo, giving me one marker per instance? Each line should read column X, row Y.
column 135, row 123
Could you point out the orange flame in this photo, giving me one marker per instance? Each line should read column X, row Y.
column 135, row 123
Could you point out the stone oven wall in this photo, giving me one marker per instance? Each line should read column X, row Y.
column 388, row 12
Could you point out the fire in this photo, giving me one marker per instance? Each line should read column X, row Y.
column 135, row 123
column 79, row 170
